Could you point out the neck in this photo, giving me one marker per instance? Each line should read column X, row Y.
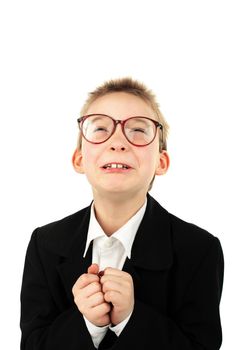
column 113, row 213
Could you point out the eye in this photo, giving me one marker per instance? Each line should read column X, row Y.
column 140, row 130
column 100, row 128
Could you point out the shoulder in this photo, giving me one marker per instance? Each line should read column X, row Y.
column 187, row 231
column 68, row 223
column 188, row 241
column 192, row 243
column 181, row 231
column 57, row 236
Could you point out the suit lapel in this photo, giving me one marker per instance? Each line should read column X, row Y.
column 74, row 264
column 152, row 257
column 72, row 268
column 152, row 247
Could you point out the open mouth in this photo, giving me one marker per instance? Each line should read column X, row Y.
column 116, row 166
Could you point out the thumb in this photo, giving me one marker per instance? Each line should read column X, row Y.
column 93, row 269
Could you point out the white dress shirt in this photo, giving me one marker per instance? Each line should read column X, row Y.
column 111, row 252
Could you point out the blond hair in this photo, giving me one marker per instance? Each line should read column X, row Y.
column 135, row 88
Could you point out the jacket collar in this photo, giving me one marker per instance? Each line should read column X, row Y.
column 152, row 248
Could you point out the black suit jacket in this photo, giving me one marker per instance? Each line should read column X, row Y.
column 177, row 269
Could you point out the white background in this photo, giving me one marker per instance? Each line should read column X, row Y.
column 52, row 54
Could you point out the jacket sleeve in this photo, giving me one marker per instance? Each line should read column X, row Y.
column 194, row 326
column 43, row 326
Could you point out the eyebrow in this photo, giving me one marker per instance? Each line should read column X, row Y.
column 99, row 117
column 142, row 120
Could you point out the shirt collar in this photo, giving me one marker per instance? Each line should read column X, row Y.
column 125, row 234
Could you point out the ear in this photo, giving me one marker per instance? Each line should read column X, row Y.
column 77, row 161
column 163, row 164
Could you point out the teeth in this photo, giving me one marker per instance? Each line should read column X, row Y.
column 116, row 166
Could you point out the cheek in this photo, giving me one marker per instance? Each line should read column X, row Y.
column 149, row 161
column 90, row 156
column 149, row 157
column 87, row 156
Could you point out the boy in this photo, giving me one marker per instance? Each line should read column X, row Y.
column 123, row 273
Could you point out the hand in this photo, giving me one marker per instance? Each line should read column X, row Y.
column 118, row 290
column 89, row 298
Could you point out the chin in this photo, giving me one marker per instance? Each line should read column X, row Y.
column 120, row 190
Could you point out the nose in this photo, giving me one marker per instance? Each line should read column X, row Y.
column 117, row 148
column 118, row 141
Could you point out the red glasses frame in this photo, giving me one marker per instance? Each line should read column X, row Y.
column 122, row 123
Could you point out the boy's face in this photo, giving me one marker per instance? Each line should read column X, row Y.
column 144, row 162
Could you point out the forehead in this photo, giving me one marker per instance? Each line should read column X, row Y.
column 121, row 105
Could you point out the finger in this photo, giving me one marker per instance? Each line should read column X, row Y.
column 125, row 280
column 116, row 272
column 109, row 277
column 95, row 300
column 113, row 285
column 93, row 269
column 84, row 280
column 91, row 289
column 101, row 310
column 113, row 297
column 83, row 297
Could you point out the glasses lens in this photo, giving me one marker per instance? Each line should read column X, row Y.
column 140, row 131
column 97, row 128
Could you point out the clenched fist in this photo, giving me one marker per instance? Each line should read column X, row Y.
column 118, row 289
column 104, row 298
column 89, row 298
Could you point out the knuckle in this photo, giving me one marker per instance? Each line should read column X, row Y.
column 106, row 287
column 82, row 309
column 95, row 287
column 76, row 300
column 82, row 306
column 84, row 277
column 99, row 297
column 74, row 290
column 95, row 284
column 107, row 284
column 128, row 284
column 106, row 307
column 128, row 277
column 108, row 295
column 108, row 270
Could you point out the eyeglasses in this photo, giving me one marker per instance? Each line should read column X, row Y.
column 98, row 128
